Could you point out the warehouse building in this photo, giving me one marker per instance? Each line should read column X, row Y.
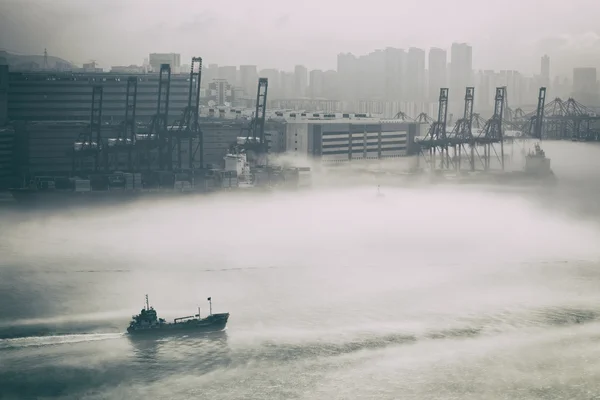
column 347, row 139
column 44, row 96
column 43, row 147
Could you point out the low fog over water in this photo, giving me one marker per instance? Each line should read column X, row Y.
column 427, row 292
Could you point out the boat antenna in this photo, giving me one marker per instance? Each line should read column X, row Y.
column 210, row 304
column 147, row 304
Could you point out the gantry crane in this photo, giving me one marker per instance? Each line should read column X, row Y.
column 437, row 139
column 125, row 140
column 255, row 144
column 151, row 145
column 493, row 130
column 463, row 132
column 538, row 120
column 88, row 145
column 188, row 127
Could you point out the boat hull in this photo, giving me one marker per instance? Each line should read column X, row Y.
column 213, row 323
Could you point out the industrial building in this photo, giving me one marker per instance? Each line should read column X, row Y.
column 49, row 111
column 331, row 139
column 42, row 147
column 44, row 96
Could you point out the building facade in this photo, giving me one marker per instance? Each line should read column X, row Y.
column 221, row 92
column 68, row 96
column 348, row 139
column 173, row 59
column 437, row 72
column 585, row 86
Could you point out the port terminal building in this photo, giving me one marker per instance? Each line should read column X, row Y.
column 345, row 138
column 49, row 110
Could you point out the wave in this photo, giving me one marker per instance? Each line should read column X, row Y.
column 39, row 341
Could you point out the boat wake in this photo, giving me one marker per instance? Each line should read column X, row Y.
column 40, row 341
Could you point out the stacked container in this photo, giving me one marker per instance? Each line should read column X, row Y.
column 83, row 185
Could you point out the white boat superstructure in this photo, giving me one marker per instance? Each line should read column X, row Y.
column 238, row 164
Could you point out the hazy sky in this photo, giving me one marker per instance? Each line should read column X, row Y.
column 512, row 34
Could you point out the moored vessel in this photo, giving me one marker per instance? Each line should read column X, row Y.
column 148, row 323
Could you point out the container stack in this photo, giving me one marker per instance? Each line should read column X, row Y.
column 83, row 185
column 137, row 181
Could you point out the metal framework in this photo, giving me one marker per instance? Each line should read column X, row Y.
column 462, row 135
column 257, row 131
column 493, row 131
column 151, row 145
column 462, row 138
column 436, row 139
column 403, row 117
column 86, row 149
column 570, row 120
column 188, row 127
column 538, row 121
column 560, row 120
column 255, row 143
column 125, row 141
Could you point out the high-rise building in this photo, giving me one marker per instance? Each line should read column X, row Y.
column 415, row 74
column 437, row 72
column 173, row 59
column 347, row 68
column 545, row 71
column 249, row 79
column 461, row 71
column 370, row 80
column 274, row 88
column 229, row 73
column 301, row 80
column 330, row 85
column 512, row 80
column 288, row 83
column 220, row 91
column 209, row 73
column 394, row 75
column 585, row 86
column 316, row 83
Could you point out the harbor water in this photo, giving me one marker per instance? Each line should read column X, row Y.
column 422, row 293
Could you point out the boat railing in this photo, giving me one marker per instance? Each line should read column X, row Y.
column 180, row 319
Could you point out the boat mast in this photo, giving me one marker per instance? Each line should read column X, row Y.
column 147, row 304
column 210, row 304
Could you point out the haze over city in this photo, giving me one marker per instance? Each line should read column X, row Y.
column 299, row 200
column 509, row 35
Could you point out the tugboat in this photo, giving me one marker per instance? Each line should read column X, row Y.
column 147, row 323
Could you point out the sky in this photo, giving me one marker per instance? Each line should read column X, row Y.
column 512, row 34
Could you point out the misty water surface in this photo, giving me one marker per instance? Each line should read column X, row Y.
column 333, row 294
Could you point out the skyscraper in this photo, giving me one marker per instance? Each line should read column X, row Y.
column 395, row 71
column 229, row 73
column 415, row 74
column 249, row 79
column 316, row 83
column 347, row 68
column 461, row 71
column 585, row 86
column 545, row 71
column 301, row 80
column 437, row 72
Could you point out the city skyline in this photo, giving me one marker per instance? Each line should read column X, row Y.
column 106, row 32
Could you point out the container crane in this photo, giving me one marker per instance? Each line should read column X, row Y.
column 125, row 140
column 188, row 127
column 88, row 145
